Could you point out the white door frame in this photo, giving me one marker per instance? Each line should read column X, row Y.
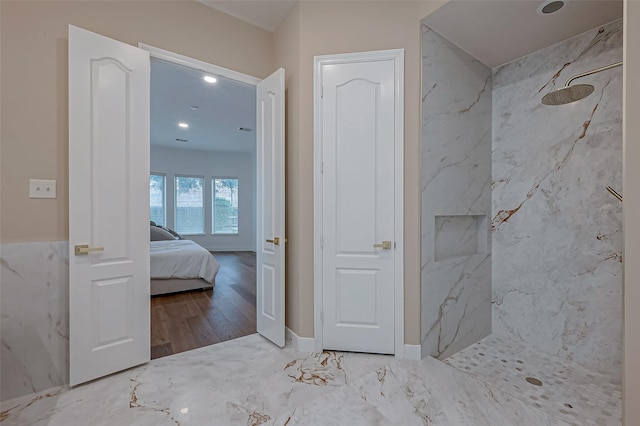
column 397, row 55
column 176, row 58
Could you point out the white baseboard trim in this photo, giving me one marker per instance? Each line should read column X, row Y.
column 413, row 352
column 302, row 344
column 307, row 344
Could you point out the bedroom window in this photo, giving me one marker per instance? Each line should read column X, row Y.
column 189, row 205
column 225, row 206
column 157, row 199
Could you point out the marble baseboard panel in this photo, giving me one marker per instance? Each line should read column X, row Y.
column 249, row 381
column 34, row 329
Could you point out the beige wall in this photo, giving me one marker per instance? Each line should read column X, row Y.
column 631, row 213
column 33, row 58
column 340, row 27
column 34, row 126
column 287, row 55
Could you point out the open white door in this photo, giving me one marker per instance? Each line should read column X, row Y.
column 270, row 243
column 108, row 206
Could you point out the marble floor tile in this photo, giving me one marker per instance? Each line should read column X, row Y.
column 243, row 381
column 249, row 381
column 417, row 393
column 423, row 392
column 569, row 391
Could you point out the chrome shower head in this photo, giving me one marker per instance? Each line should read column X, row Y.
column 568, row 94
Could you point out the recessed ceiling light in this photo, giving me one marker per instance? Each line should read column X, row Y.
column 550, row 6
column 210, row 79
column 183, row 125
column 194, row 107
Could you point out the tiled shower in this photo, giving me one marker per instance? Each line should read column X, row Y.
column 520, row 238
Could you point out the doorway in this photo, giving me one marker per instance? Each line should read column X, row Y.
column 109, row 206
column 203, row 188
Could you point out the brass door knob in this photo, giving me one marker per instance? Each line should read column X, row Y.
column 276, row 241
column 81, row 249
column 386, row 245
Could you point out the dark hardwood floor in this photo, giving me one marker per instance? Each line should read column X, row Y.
column 184, row 321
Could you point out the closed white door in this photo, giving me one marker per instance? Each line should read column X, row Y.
column 108, row 206
column 358, row 199
column 270, row 208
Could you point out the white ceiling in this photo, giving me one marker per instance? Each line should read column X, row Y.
column 494, row 31
column 223, row 107
column 266, row 14
column 499, row 31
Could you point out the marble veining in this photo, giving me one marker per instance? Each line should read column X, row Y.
column 556, row 231
column 34, row 325
column 319, row 369
column 456, row 197
column 249, row 381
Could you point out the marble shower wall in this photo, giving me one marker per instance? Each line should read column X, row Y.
column 456, row 197
column 34, row 308
column 556, row 231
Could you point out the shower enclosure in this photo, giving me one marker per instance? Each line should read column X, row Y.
column 521, row 241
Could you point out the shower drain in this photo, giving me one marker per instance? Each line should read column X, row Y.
column 534, row 381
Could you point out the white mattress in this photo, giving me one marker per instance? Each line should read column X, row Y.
column 182, row 259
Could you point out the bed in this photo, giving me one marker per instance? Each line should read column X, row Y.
column 181, row 265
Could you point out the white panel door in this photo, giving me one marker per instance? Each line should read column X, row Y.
column 270, row 208
column 108, row 206
column 358, row 139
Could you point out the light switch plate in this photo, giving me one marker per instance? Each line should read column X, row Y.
column 41, row 188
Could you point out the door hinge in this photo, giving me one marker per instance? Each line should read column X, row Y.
column 322, row 167
column 321, row 241
column 321, row 317
column 322, row 91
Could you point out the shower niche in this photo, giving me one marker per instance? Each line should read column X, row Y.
column 460, row 235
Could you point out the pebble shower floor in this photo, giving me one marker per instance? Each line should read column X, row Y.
column 564, row 389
